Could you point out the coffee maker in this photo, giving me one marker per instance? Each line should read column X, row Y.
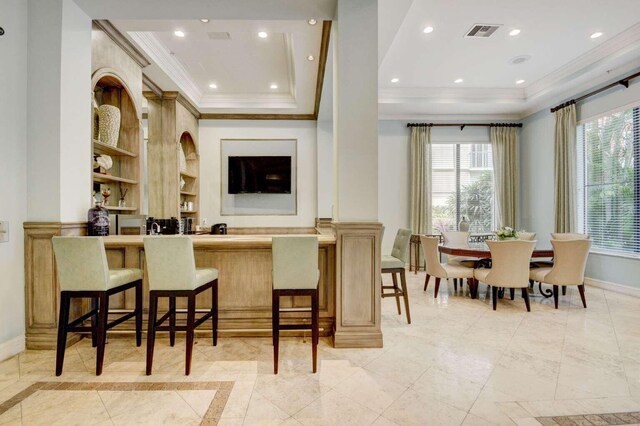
column 219, row 229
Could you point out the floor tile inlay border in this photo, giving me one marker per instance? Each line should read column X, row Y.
column 603, row 419
column 211, row 417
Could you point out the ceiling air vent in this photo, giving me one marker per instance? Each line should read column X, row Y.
column 219, row 35
column 482, row 30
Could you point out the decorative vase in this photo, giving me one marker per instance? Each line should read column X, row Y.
column 109, row 124
column 464, row 224
column 98, row 221
column 183, row 159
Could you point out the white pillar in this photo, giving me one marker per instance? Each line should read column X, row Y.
column 58, row 111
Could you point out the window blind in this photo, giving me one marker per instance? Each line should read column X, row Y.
column 609, row 181
column 462, row 185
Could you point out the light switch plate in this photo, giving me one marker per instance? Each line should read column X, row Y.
column 4, row 231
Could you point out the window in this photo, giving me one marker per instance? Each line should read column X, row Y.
column 609, row 181
column 462, row 185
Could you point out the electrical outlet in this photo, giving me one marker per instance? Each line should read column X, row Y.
column 4, row 231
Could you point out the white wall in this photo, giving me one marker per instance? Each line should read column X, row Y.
column 536, row 158
column 13, row 175
column 213, row 131
column 325, row 142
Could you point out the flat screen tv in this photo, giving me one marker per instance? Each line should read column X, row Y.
column 259, row 175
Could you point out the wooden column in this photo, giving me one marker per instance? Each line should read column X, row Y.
column 358, row 317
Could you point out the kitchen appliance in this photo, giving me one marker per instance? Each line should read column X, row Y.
column 219, row 229
column 162, row 226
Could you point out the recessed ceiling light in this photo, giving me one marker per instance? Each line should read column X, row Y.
column 519, row 81
column 179, row 33
column 514, row 32
column 458, row 80
column 427, row 30
column 596, row 35
column 273, row 86
column 204, row 20
column 310, row 58
column 312, row 21
column 263, row 34
column 395, row 80
column 213, row 86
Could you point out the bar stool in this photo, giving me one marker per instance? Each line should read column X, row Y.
column 394, row 264
column 295, row 273
column 172, row 273
column 83, row 272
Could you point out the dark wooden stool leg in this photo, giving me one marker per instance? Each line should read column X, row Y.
column 435, row 294
column 94, row 322
column 103, row 317
column 426, row 282
column 512, row 293
column 191, row 319
column 405, row 294
column 581, row 290
column 151, row 327
column 455, row 285
column 564, row 290
column 525, row 295
column 172, row 321
column 494, row 297
column 314, row 329
column 275, row 320
column 396, row 290
column 139, row 313
column 555, row 296
column 63, row 320
column 214, row 312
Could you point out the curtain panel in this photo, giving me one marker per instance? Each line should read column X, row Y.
column 504, row 145
column 566, row 156
column 420, row 212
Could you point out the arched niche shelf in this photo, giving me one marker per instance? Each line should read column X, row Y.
column 189, row 192
column 123, row 178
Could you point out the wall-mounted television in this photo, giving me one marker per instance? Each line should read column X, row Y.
column 260, row 175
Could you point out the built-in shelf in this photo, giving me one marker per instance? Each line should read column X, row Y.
column 188, row 193
column 102, row 148
column 123, row 209
column 102, row 178
column 189, row 175
column 188, row 211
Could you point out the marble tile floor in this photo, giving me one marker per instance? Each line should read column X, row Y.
column 458, row 363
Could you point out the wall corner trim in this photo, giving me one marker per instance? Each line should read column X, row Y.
column 12, row 347
column 618, row 288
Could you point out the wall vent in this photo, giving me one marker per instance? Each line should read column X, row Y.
column 482, row 30
column 219, row 35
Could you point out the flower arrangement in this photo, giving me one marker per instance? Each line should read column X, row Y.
column 506, row 233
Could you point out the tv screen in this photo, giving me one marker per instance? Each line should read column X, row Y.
column 259, row 175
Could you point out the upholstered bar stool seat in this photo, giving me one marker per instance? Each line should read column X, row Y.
column 172, row 273
column 295, row 273
column 394, row 264
column 83, row 272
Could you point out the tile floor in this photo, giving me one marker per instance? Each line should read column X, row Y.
column 458, row 363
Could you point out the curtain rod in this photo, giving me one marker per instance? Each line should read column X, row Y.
column 623, row 82
column 463, row 125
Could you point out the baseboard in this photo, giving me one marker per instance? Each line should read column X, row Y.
column 618, row 288
column 12, row 347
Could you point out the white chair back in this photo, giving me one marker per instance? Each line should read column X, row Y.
column 456, row 238
column 526, row 236
column 568, row 236
column 569, row 262
column 432, row 260
column 81, row 263
column 295, row 263
column 510, row 263
column 171, row 264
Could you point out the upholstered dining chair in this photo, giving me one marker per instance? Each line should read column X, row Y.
column 172, row 273
column 295, row 273
column 569, row 236
column 526, row 236
column 83, row 272
column 509, row 268
column 570, row 261
column 442, row 270
column 460, row 238
column 395, row 264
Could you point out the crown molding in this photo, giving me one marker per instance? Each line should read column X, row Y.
column 449, row 117
column 322, row 64
column 118, row 38
column 449, row 95
column 216, row 116
column 151, row 85
column 288, row 48
column 188, row 105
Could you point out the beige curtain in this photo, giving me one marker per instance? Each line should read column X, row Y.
column 504, row 145
column 420, row 180
column 565, row 169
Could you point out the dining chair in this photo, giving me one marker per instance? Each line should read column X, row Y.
column 526, row 236
column 509, row 268
column 295, row 273
column 458, row 238
column 569, row 236
column 83, row 272
column 570, row 261
column 395, row 264
column 442, row 270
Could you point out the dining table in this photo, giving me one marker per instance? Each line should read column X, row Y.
column 481, row 252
